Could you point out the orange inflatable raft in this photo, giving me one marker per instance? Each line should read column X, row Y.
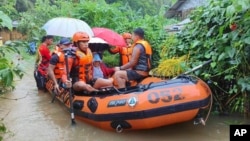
column 150, row 104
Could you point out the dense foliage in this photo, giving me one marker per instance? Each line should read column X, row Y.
column 5, row 21
column 220, row 31
column 145, row 7
column 118, row 16
column 9, row 65
column 8, row 68
column 125, row 20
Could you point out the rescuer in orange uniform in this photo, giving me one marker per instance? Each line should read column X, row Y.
column 125, row 52
column 57, row 62
column 82, row 68
column 139, row 65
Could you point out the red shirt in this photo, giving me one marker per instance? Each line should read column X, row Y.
column 107, row 72
column 45, row 55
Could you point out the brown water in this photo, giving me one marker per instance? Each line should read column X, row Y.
column 30, row 116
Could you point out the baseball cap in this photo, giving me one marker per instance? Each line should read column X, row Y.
column 64, row 41
column 97, row 57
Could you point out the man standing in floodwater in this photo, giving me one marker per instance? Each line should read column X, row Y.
column 42, row 62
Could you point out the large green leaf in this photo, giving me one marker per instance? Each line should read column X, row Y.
column 244, row 83
column 230, row 10
column 7, row 76
column 230, row 51
column 247, row 40
column 5, row 21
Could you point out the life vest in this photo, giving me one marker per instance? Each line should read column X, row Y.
column 59, row 68
column 144, row 63
column 126, row 53
column 84, row 65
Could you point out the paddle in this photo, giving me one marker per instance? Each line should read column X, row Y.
column 70, row 91
column 195, row 68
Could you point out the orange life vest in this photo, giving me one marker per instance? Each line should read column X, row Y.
column 85, row 65
column 126, row 53
column 148, row 52
column 59, row 68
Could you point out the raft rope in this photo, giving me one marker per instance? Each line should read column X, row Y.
column 210, row 108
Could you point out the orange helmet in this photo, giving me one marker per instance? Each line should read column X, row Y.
column 80, row 36
column 126, row 35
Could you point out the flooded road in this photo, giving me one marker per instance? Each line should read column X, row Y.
column 30, row 116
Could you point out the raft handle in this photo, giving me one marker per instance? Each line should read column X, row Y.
column 146, row 87
column 118, row 128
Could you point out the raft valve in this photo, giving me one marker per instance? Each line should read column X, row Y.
column 119, row 128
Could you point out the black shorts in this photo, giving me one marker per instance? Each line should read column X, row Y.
column 133, row 75
column 40, row 80
column 92, row 82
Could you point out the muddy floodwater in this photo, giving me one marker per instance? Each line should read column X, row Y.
column 30, row 116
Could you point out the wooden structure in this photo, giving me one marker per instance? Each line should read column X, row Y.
column 7, row 34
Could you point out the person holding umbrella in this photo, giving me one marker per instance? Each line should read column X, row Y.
column 57, row 62
column 125, row 51
column 42, row 61
column 82, row 68
column 139, row 65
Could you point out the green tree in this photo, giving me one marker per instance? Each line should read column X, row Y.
column 5, row 21
column 23, row 5
column 8, row 69
column 8, row 7
column 144, row 7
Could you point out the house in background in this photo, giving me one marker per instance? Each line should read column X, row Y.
column 182, row 8
column 6, row 34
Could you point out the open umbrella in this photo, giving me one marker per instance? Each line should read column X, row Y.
column 98, row 45
column 109, row 36
column 97, row 40
column 66, row 27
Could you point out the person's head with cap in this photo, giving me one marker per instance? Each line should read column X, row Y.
column 128, row 38
column 64, row 42
column 80, row 40
column 96, row 59
column 138, row 34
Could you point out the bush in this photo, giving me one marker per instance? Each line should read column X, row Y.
column 220, row 31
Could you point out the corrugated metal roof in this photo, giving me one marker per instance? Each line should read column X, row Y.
column 181, row 5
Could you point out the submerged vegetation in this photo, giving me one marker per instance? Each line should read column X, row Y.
column 2, row 130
